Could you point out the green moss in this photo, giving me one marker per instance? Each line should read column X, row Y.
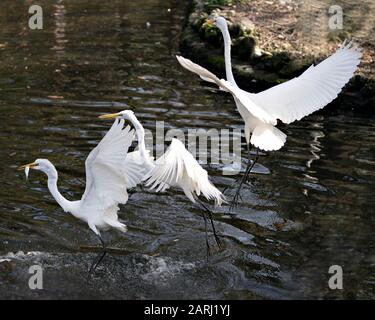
column 196, row 20
column 210, row 31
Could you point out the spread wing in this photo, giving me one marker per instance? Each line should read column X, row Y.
column 237, row 93
column 106, row 180
column 203, row 73
column 135, row 168
column 177, row 167
column 314, row 89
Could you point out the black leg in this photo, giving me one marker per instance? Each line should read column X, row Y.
column 250, row 166
column 248, row 171
column 237, row 194
column 218, row 242
column 233, row 184
column 240, row 178
column 100, row 258
column 205, row 229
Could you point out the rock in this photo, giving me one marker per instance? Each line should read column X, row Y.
column 6, row 266
column 244, row 47
column 257, row 52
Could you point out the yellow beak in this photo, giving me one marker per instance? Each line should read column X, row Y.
column 30, row 165
column 208, row 23
column 109, row 116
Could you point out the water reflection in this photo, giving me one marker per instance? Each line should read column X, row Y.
column 311, row 179
column 315, row 144
column 59, row 31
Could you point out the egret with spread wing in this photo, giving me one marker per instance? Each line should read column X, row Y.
column 175, row 168
column 288, row 102
column 107, row 181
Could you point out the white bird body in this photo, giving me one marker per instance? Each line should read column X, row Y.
column 107, row 180
column 175, row 168
column 262, row 134
column 178, row 168
column 289, row 101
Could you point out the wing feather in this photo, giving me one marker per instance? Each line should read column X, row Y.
column 177, row 167
column 314, row 89
column 237, row 93
column 135, row 168
column 106, row 180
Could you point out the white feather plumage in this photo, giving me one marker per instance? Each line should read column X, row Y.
column 106, row 181
column 313, row 89
column 178, row 168
column 289, row 101
column 175, row 168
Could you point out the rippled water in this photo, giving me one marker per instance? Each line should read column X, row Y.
column 314, row 209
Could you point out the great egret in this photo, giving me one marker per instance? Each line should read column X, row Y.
column 289, row 101
column 107, row 179
column 175, row 168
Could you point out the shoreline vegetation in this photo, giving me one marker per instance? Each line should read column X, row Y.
column 276, row 40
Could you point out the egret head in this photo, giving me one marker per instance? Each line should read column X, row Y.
column 43, row 165
column 219, row 22
column 125, row 114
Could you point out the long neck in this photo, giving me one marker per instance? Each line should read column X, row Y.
column 227, row 56
column 52, row 186
column 140, row 131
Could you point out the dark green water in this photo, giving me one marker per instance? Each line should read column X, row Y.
column 315, row 208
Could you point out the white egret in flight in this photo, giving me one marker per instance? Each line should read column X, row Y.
column 288, row 102
column 175, row 168
column 107, row 179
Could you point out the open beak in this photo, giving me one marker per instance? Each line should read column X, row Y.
column 109, row 116
column 209, row 23
column 30, row 165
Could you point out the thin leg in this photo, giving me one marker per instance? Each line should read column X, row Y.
column 237, row 194
column 250, row 166
column 218, row 241
column 205, row 229
column 212, row 221
column 240, row 177
column 96, row 262
column 255, row 160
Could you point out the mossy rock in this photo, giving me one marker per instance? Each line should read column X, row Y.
column 244, row 47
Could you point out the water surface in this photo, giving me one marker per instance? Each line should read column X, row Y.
column 312, row 210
